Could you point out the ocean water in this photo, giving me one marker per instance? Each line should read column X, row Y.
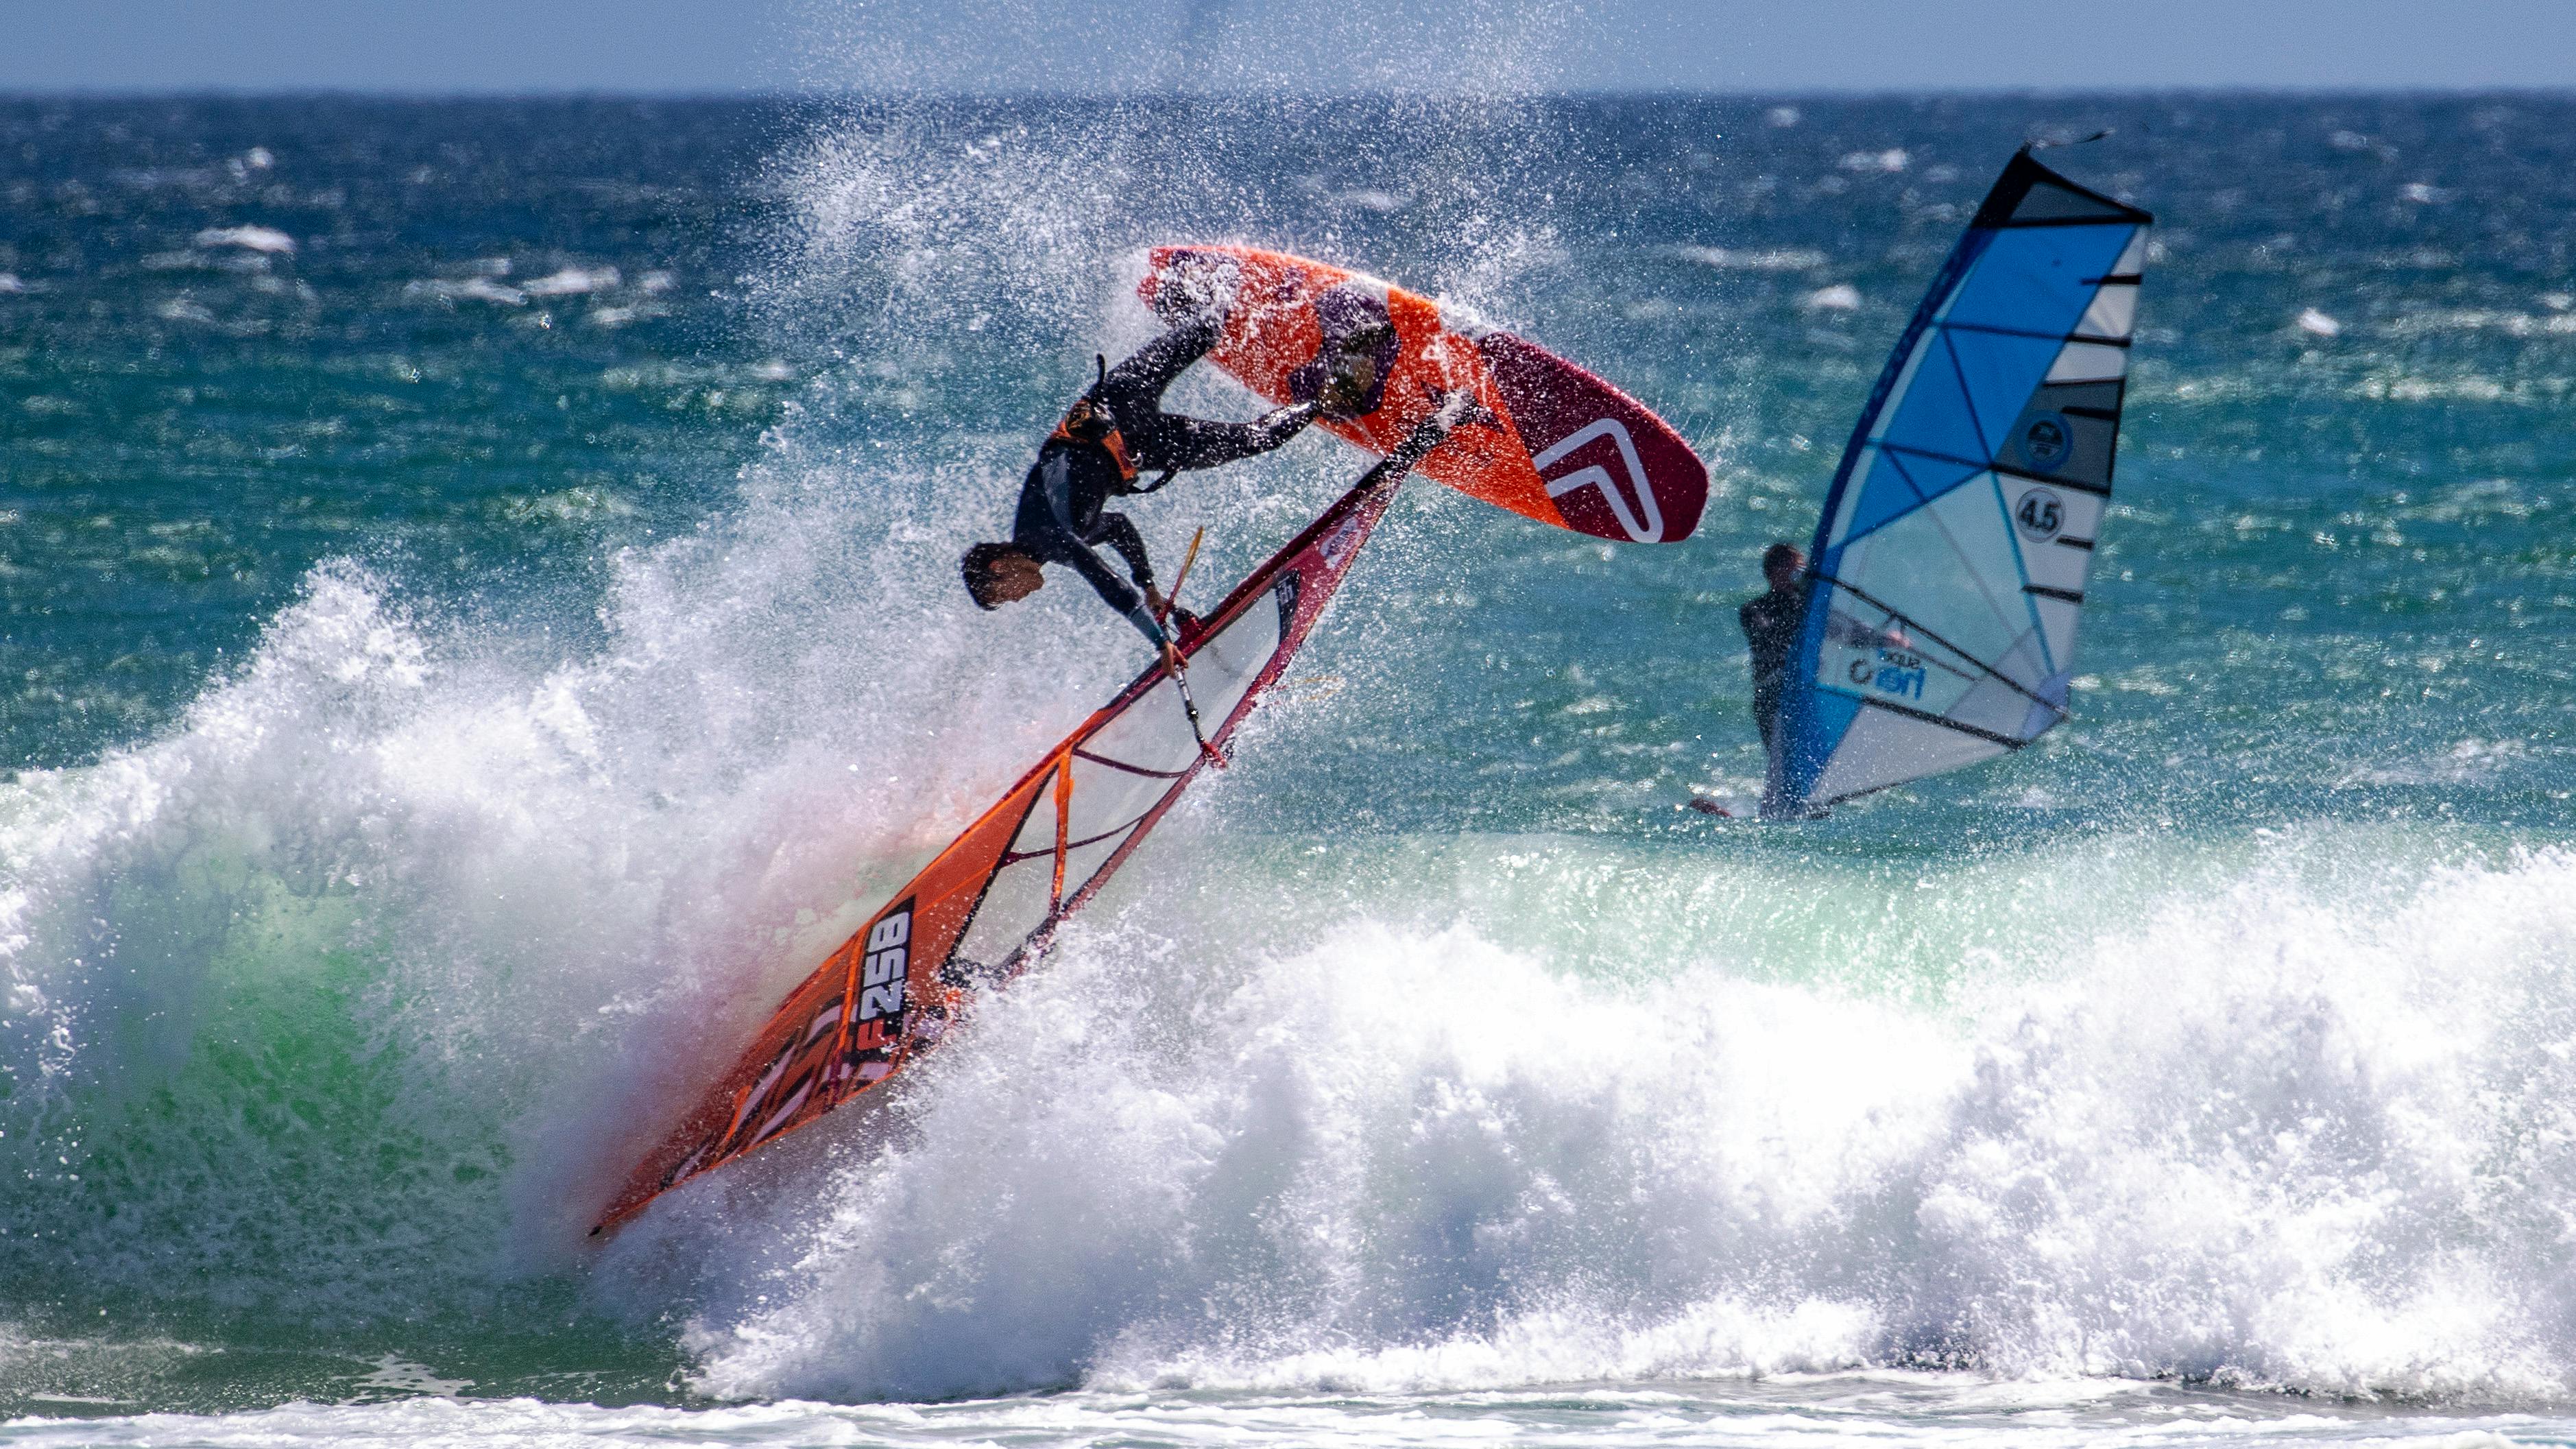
column 480, row 611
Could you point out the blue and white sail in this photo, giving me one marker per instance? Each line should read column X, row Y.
column 1948, row 571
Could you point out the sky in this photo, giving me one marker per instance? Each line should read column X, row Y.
column 1763, row 47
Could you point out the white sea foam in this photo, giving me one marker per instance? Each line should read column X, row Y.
column 472, row 289
column 571, row 282
column 1891, row 1409
column 1760, row 259
column 448, row 887
column 1887, row 162
column 265, row 239
column 2283, row 1135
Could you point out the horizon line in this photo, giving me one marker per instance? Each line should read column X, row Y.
column 813, row 96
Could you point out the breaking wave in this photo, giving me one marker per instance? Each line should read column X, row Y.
column 2282, row 1135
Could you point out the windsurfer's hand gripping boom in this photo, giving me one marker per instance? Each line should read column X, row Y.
column 1450, row 410
column 1112, row 435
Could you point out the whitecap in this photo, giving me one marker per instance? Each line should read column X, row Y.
column 620, row 316
column 1840, row 297
column 2318, row 324
column 472, row 289
column 249, row 238
column 1761, row 259
column 1889, row 161
column 572, row 282
column 1371, row 199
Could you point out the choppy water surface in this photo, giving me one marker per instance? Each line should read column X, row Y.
column 481, row 611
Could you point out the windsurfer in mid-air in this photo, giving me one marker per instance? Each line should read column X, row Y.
column 1115, row 433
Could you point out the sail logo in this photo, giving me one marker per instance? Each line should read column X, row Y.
column 2048, row 441
column 1894, row 671
column 2041, row 514
column 882, row 969
column 1645, row 521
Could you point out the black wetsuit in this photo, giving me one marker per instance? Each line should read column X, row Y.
column 1771, row 621
column 1060, row 518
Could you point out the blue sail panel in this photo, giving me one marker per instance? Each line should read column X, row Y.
column 1949, row 568
column 1898, row 485
column 2002, row 372
column 1937, row 414
column 2038, row 280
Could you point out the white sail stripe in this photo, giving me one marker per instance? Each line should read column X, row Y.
column 2089, row 362
column 1883, row 748
column 2133, row 257
column 2113, row 313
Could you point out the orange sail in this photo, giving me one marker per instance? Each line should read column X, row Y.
column 979, row 913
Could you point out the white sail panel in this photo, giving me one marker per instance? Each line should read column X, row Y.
column 2089, row 362
column 1883, row 748
column 1950, row 568
column 2114, row 313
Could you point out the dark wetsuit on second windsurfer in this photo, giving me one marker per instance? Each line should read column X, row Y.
column 1112, row 435
column 1770, row 621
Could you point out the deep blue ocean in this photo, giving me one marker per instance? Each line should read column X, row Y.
column 481, row 616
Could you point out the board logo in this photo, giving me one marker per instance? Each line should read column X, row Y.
column 2047, row 441
column 1339, row 543
column 1645, row 521
column 882, row 969
column 2040, row 515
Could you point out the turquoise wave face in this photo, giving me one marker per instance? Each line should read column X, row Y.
column 486, row 619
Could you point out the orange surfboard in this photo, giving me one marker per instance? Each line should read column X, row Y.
column 1568, row 448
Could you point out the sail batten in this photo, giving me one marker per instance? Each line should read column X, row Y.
column 1950, row 563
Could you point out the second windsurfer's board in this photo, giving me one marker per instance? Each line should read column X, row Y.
column 1570, row 449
